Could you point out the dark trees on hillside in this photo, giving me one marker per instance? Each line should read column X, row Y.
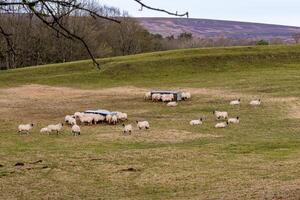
column 55, row 15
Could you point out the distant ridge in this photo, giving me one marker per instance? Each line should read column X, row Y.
column 216, row 28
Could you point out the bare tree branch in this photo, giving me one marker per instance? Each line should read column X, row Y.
column 46, row 11
column 161, row 10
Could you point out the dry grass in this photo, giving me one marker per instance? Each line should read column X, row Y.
column 170, row 161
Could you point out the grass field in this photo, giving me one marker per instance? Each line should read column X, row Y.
column 257, row 159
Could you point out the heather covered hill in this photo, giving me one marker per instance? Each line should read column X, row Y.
column 214, row 28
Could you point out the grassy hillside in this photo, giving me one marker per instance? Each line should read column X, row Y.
column 257, row 159
column 231, row 67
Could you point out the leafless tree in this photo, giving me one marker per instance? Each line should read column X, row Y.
column 52, row 14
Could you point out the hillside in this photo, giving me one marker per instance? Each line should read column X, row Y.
column 213, row 28
column 255, row 159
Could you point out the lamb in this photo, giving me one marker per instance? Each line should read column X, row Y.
column 186, row 95
column 221, row 114
column 25, row 128
column 167, row 97
column 221, row 125
column 156, row 97
column 148, row 96
column 235, row 102
column 57, row 127
column 127, row 128
column 76, row 130
column 255, row 102
column 114, row 119
column 143, row 125
column 234, row 120
column 196, row 122
column 45, row 130
column 172, row 104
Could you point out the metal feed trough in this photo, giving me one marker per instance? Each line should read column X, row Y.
column 177, row 95
column 100, row 112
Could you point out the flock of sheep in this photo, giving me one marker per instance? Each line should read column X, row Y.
column 223, row 115
column 80, row 118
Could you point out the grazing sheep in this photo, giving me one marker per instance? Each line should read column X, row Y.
column 143, row 125
column 235, row 102
column 71, row 121
column 255, row 102
column 77, row 115
column 186, row 95
column 127, row 128
column 25, row 128
column 56, row 127
column 121, row 116
column 97, row 118
column 45, row 130
column 69, row 118
column 148, row 96
column 196, row 122
column 234, row 120
column 86, row 119
column 167, row 97
column 114, row 119
column 156, row 97
column 172, row 104
column 76, row 130
column 108, row 118
column 221, row 114
column 221, row 125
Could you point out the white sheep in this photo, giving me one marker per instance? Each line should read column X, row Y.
column 156, row 97
column 148, row 96
column 68, row 118
column 234, row 120
column 143, row 125
column 55, row 127
column 45, row 130
column 121, row 116
column 76, row 130
column 127, row 128
column 97, row 118
column 235, row 102
column 255, row 102
column 77, row 115
column 108, row 118
column 25, row 128
column 167, row 97
column 71, row 121
column 221, row 125
column 196, row 122
column 221, row 114
column 86, row 119
column 114, row 119
column 186, row 95
column 172, row 104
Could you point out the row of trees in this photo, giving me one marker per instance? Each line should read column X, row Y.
column 31, row 42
